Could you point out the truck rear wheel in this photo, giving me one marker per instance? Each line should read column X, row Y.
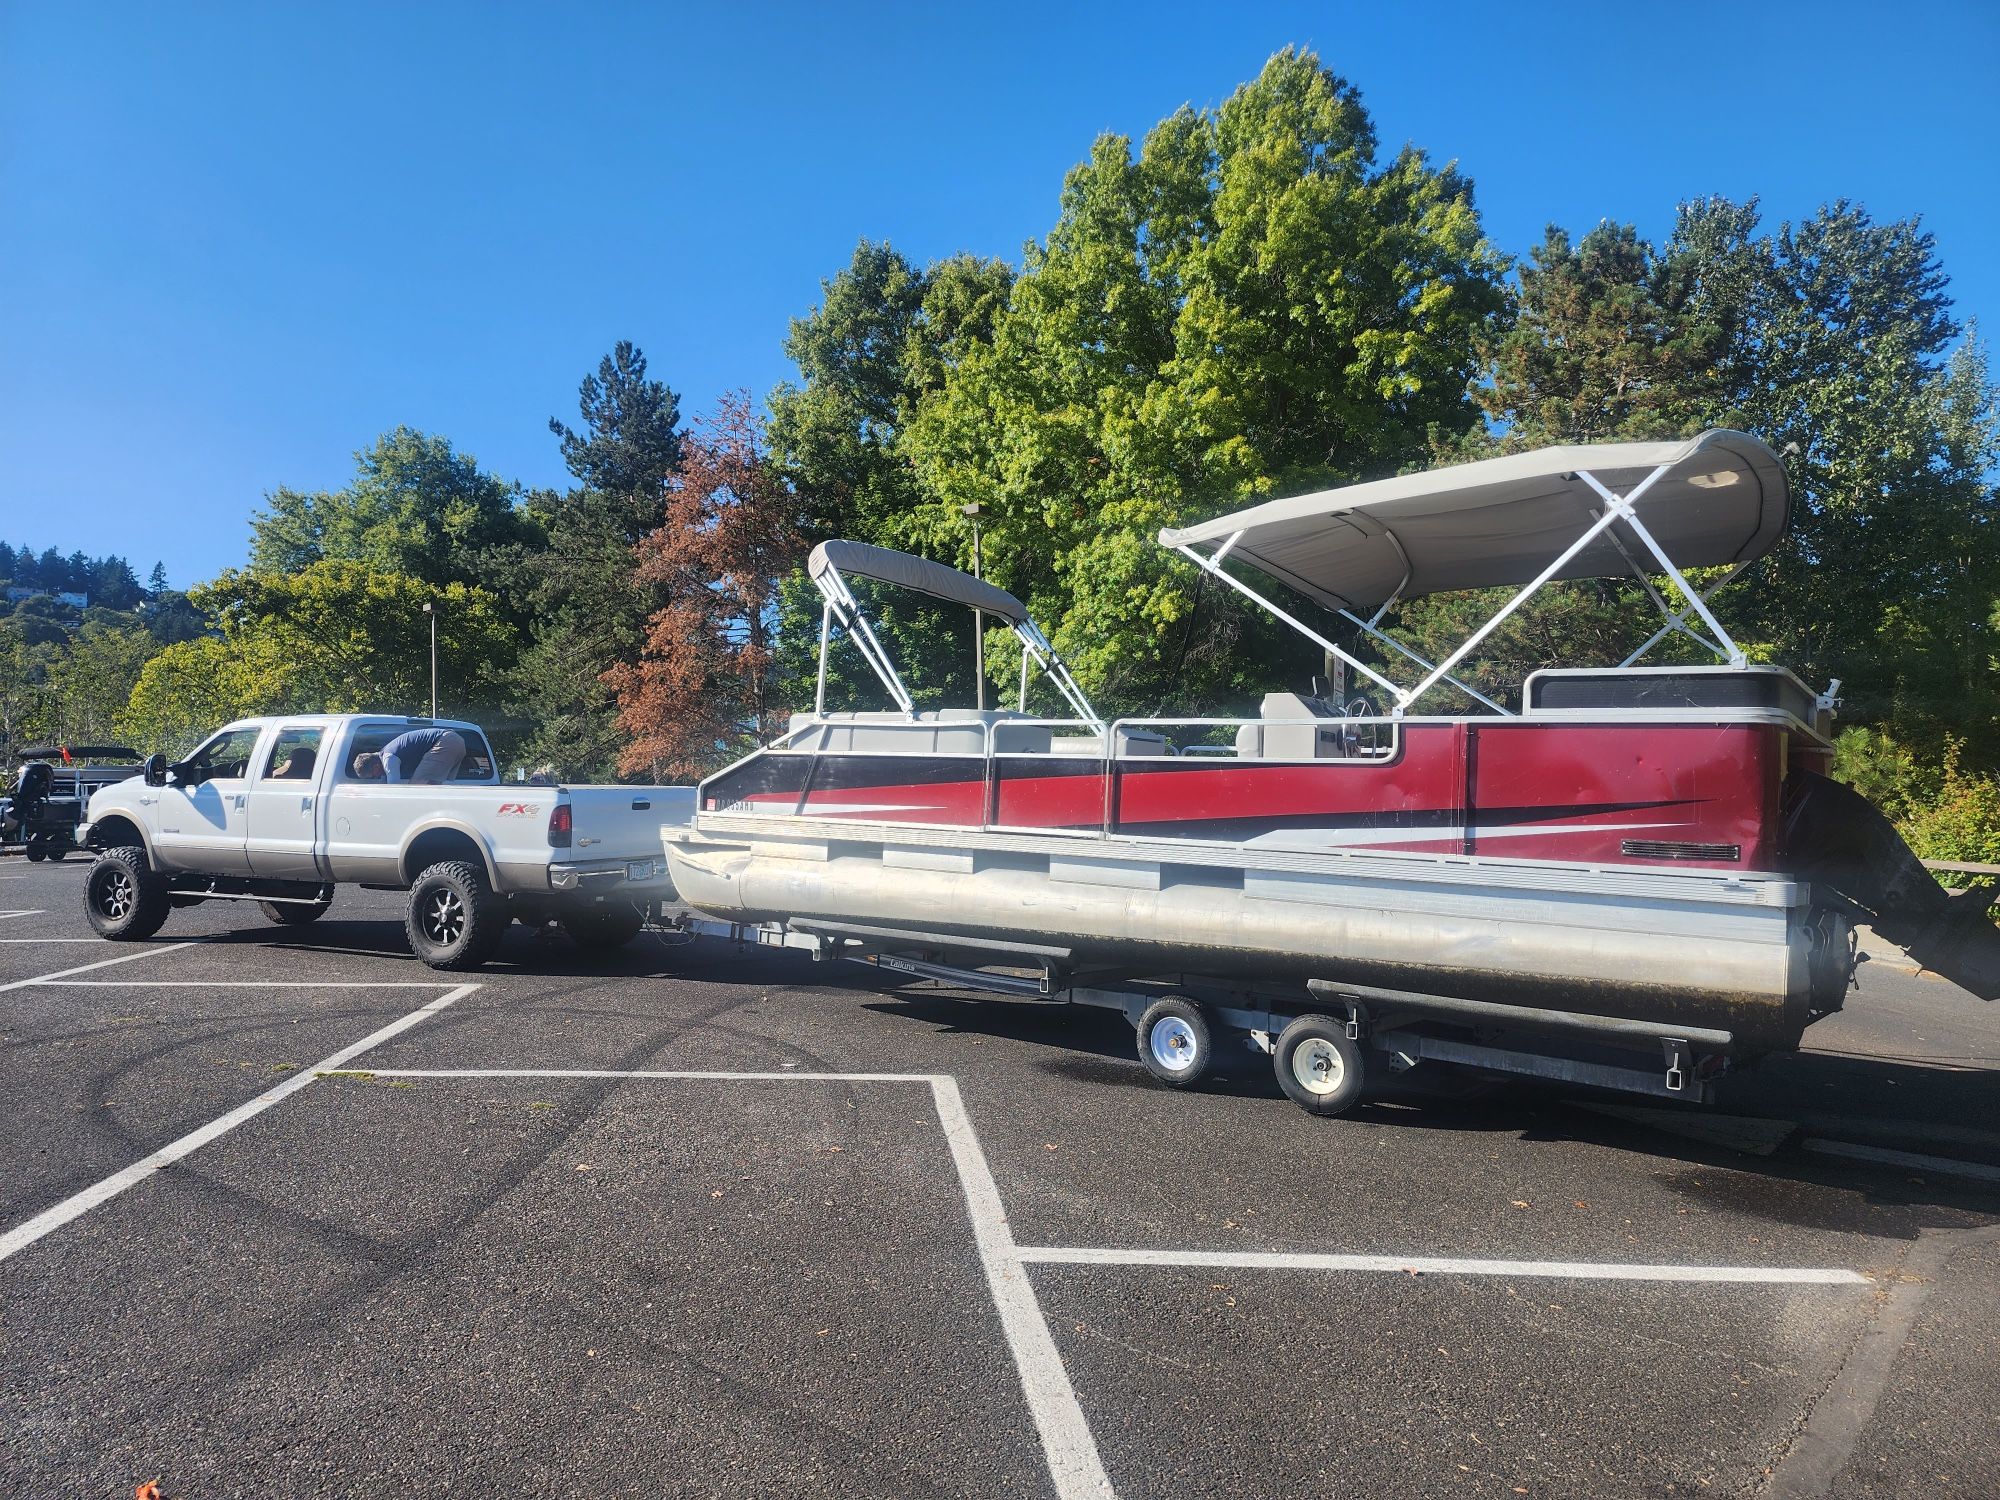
column 454, row 919
column 124, row 896
column 610, row 926
column 1319, row 1069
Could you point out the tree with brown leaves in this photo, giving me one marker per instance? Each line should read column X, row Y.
column 702, row 689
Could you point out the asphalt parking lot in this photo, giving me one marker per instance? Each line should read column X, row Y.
column 286, row 1213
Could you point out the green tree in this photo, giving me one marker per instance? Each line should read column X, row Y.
column 89, row 681
column 884, row 337
column 334, row 637
column 415, row 507
column 1254, row 302
column 576, row 580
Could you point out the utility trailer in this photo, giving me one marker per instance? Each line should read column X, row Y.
column 1327, row 1042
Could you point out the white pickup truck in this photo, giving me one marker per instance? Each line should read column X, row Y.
column 274, row 811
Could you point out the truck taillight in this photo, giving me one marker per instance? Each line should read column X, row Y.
column 559, row 825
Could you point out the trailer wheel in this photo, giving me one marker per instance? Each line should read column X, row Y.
column 124, row 896
column 1174, row 1042
column 1319, row 1069
column 610, row 926
column 454, row 919
column 35, row 854
column 292, row 913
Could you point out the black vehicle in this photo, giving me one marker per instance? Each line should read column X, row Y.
column 52, row 791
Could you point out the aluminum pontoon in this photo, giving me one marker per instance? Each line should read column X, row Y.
column 1636, row 856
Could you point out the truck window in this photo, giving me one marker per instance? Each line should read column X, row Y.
column 478, row 762
column 224, row 758
column 477, row 765
column 293, row 755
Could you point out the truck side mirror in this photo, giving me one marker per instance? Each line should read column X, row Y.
column 156, row 769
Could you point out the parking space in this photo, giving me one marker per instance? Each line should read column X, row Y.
column 684, row 1220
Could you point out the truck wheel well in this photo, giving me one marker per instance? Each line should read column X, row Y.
column 114, row 833
column 440, row 846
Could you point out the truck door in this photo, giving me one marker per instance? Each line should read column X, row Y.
column 202, row 808
column 283, row 806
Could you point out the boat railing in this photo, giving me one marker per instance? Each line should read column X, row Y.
column 1086, row 778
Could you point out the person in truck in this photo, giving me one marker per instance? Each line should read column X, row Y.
column 423, row 757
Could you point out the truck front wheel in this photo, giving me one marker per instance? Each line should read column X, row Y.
column 611, row 926
column 454, row 920
column 124, row 896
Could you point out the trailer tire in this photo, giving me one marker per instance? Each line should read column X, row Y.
column 1319, row 1069
column 1174, row 1042
column 454, row 919
column 35, row 854
column 610, row 926
column 292, row 914
column 124, row 896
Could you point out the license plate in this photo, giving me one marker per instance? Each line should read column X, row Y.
column 639, row 869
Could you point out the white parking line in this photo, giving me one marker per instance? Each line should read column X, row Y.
column 1434, row 1265
column 51, row 940
column 32, row 912
column 237, row 984
column 1944, row 1166
column 24, row 1235
column 1067, row 1444
column 102, row 963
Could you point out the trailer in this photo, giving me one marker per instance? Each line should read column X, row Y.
column 1328, row 1043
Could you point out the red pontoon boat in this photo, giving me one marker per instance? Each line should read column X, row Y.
column 1637, row 856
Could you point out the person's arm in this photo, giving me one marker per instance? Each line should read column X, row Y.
column 392, row 766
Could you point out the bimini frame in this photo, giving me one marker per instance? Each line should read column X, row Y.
column 826, row 566
column 1456, row 563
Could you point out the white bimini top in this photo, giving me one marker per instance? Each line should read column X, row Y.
column 1723, row 499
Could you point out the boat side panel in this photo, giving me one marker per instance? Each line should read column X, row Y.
column 1571, row 792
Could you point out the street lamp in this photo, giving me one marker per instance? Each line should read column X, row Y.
column 972, row 513
column 434, row 657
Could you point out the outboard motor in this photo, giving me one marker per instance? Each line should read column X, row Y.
column 1839, row 841
column 31, row 798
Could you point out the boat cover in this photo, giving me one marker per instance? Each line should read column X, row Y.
column 1503, row 520
column 861, row 560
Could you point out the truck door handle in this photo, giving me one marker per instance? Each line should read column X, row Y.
column 640, row 804
column 305, row 804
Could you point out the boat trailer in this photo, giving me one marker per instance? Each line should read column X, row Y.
column 1326, row 1045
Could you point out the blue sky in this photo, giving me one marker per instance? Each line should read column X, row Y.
column 237, row 242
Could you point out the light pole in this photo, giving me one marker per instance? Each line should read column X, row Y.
column 434, row 657
column 973, row 512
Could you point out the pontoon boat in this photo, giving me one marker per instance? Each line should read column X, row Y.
column 1646, row 856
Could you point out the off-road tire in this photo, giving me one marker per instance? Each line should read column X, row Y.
column 454, row 919
column 1319, row 1069
column 291, row 914
column 1174, row 1042
column 124, row 896
column 609, row 926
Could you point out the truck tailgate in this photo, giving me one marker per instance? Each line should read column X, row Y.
column 624, row 822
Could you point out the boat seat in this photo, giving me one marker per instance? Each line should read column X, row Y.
column 934, row 731
column 1131, row 742
column 1279, row 741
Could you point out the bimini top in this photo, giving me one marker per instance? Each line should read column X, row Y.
column 1504, row 520
column 859, row 560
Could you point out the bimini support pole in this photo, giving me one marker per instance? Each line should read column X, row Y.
column 1616, row 507
column 825, row 637
column 843, row 606
column 1033, row 642
column 1622, row 509
column 1213, row 566
column 1677, row 620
